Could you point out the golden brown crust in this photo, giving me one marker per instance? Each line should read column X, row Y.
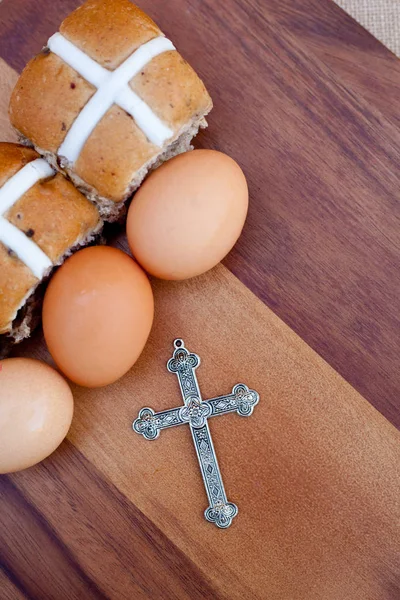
column 16, row 280
column 46, row 100
column 12, row 158
column 49, row 95
column 100, row 167
column 109, row 30
column 172, row 88
column 53, row 213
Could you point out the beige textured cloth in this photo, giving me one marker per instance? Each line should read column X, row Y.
column 380, row 17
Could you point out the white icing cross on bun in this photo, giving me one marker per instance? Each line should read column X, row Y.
column 112, row 88
column 12, row 237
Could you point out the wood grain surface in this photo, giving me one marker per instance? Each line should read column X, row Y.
column 305, row 100
column 315, row 472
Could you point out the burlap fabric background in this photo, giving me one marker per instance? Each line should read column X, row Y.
column 380, row 17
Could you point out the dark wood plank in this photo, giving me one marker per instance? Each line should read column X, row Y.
column 9, row 588
column 322, row 244
column 91, row 541
column 26, row 26
column 25, row 535
column 306, row 101
column 361, row 63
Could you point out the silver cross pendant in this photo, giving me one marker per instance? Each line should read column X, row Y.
column 196, row 413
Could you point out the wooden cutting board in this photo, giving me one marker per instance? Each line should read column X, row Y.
column 307, row 102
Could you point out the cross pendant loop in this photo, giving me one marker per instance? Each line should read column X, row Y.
column 196, row 413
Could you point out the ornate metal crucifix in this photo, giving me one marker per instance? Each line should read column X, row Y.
column 196, row 412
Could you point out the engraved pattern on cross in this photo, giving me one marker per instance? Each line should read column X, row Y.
column 196, row 413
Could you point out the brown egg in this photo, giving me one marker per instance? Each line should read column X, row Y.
column 36, row 408
column 97, row 315
column 188, row 214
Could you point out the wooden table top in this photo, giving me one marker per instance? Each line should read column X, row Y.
column 306, row 101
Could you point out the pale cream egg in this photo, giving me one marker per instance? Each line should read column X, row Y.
column 36, row 408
